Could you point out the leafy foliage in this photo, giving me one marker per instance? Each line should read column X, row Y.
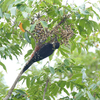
column 74, row 65
column 3, row 87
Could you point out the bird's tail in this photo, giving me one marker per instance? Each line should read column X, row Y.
column 28, row 64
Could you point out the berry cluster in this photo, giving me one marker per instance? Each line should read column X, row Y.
column 61, row 30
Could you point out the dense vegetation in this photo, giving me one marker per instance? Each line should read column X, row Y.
column 75, row 66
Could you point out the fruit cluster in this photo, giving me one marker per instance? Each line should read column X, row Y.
column 61, row 30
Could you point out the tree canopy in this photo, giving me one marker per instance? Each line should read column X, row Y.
column 74, row 66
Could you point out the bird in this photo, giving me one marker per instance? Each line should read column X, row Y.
column 41, row 51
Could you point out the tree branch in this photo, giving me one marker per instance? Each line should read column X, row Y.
column 13, row 86
column 45, row 89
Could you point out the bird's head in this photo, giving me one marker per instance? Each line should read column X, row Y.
column 56, row 45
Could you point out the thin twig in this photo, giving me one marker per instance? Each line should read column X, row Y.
column 45, row 89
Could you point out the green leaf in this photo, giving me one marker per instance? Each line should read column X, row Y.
column 61, row 12
column 25, row 23
column 55, row 89
column 97, row 15
column 78, row 68
column 7, row 15
column 4, row 67
column 95, row 26
column 57, row 2
column 76, row 75
column 32, row 27
column 28, row 53
column 28, row 10
column 51, row 70
column 82, row 31
column 21, row 7
column 78, row 95
column 20, row 18
column 78, row 15
column 30, row 2
column 32, row 80
column 88, row 26
column 67, row 84
column 82, row 22
column 64, row 49
column 93, row 86
column 17, row 2
column 27, row 37
column 51, row 57
column 6, row 4
column 65, row 90
column 1, row 1
column 1, row 24
column 25, row 14
column 73, row 46
column 28, row 82
column 63, row 53
column 44, row 24
column 2, row 48
column 85, row 12
column 10, row 57
column 33, row 43
column 82, row 6
column 79, row 47
column 90, row 96
column 71, row 86
column 67, row 62
column 49, row 1
column 1, row 14
column 20, row 91
column 62, row 84
column 69, row 69
column 98, row 83
column 13, row 11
